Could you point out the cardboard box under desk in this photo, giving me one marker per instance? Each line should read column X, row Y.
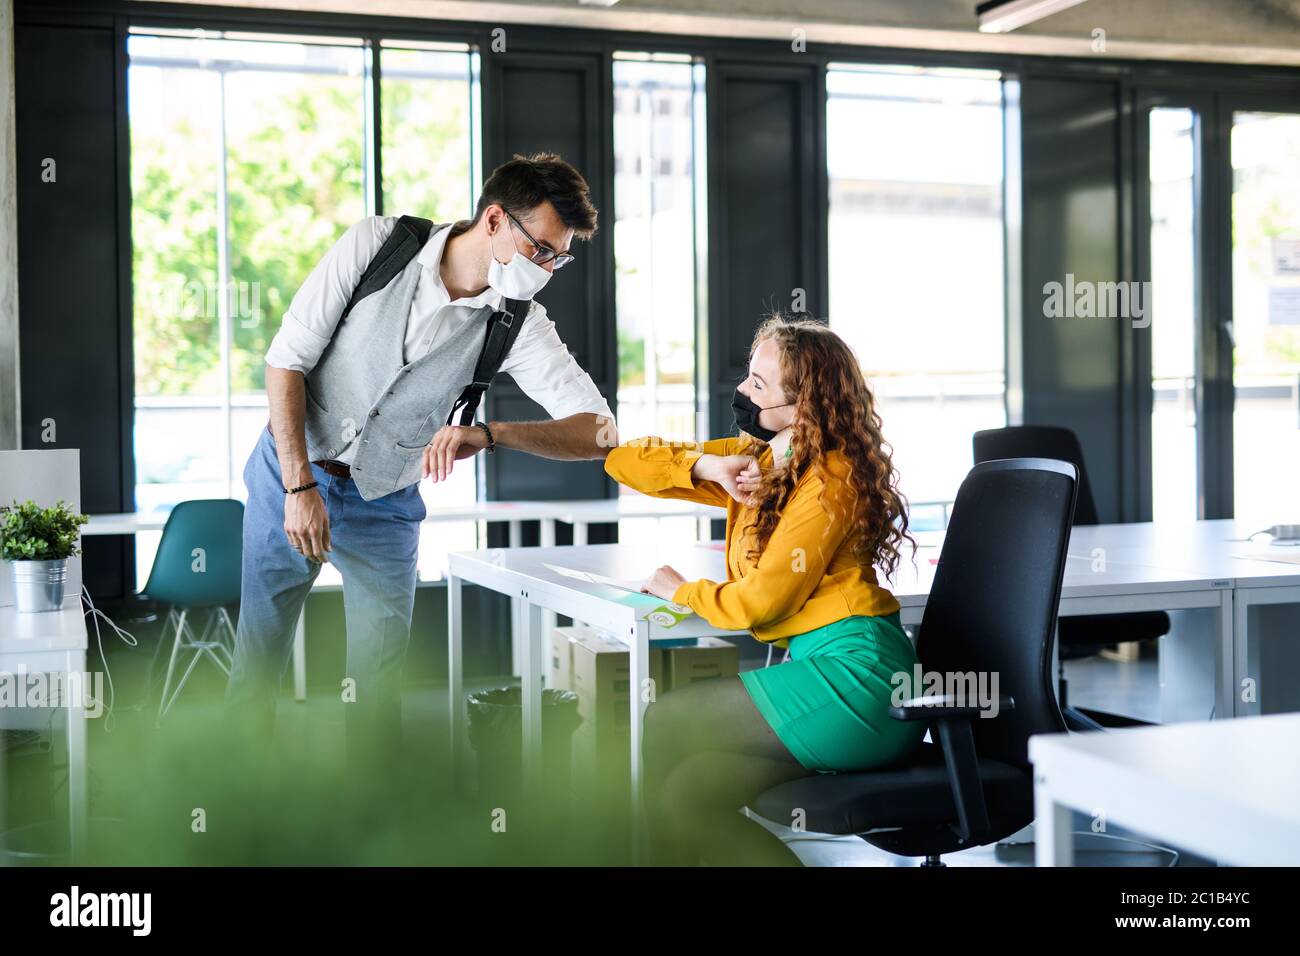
column 709, row 657
column 559, row 657
column 599, row 675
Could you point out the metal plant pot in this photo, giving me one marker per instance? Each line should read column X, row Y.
column 38, row 585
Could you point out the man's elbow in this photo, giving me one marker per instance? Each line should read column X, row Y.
column 605, row 435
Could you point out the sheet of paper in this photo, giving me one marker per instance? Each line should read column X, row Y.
column 594, row 578
column 1286, row 557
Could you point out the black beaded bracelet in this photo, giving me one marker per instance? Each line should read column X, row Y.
column 294, row 491
column 492, row 443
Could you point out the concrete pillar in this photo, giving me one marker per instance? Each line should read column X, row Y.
column 8, row 236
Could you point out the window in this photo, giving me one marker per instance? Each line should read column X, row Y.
column 429, row 101
column 250, row 155
column 1265, row 314
column 247, row 163
column 917, row 259
column 1172, row 166
column 658, row 250
column 431, row 164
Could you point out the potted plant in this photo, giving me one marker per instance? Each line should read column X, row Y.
column 38, row 542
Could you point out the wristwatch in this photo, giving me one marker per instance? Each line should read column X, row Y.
column 492, row 444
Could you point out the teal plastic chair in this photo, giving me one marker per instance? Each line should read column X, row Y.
column 197, row 568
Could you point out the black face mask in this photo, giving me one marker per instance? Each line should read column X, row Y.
column 747, row 415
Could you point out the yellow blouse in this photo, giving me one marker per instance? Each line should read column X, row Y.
column 806, row 577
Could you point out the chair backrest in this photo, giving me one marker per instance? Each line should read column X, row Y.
column 199, row 557
column 992, row 607
column 1040, row 441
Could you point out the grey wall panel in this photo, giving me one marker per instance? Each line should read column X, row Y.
column 1071, row 366
column 558, row 102
column 70, row 337
column 767, row 211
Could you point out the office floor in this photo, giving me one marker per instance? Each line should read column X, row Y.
column 424, row 710
column 315, row 730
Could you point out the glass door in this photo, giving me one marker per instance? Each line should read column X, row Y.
column 1264, row 316
column 1173, row 189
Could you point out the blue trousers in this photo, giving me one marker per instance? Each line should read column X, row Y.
column 373, row 545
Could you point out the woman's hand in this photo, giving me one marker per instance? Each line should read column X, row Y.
column 663, row 583
column 726, row 471
column 748, row 480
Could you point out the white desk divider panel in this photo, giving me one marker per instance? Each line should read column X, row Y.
column 45, row 476
column 50, row 641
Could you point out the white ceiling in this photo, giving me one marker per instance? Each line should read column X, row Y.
column 1236, row 31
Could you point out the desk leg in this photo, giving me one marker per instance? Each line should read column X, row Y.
column 549, row 618
column 77, row 824
column 516, row 637
column 1053, row 839
column 639, row 688
column 531, row 695
column 300, row 655
column 1225, row 659
column 1240, row 652
column 455, row 679
column 516, row 629
column 579, row 537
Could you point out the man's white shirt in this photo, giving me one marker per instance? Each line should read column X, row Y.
column 538, row 361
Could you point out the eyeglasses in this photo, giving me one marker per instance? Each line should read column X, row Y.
column 543, row 254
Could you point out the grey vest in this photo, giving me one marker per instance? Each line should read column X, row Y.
column 363, row 387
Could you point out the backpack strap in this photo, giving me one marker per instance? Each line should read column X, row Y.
column 402, row 245
column 502, row 330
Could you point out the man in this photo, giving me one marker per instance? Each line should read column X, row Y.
column 358, row 406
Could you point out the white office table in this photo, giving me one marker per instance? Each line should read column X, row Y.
column 1259, row 573
column 581, row 514
column 1222, row 789
column 522, row 574
column 54, row 642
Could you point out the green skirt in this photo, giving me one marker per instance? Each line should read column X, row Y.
column 829, row 703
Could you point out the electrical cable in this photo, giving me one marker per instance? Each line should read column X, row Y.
column 127, row 638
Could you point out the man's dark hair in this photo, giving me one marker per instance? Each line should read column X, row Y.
column 525, row 182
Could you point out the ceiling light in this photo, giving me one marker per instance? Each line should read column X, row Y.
column 1003, row 16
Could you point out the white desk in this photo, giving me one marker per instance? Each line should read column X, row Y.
column 1257, row 572
column 581, row 514
column 522, row 574
column 54, row 642
column 1222, row 789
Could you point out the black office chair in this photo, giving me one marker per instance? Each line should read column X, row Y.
column 1078, row 636
column 989, row 612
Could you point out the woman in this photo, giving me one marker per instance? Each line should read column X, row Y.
column 812, row 507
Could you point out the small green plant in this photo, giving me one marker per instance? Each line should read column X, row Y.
column 29, row 532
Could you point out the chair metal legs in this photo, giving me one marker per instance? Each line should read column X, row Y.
column 218, row 647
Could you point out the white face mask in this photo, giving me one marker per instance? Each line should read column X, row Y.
column 520, row 278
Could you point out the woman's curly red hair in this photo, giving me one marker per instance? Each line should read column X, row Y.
column 835, row 411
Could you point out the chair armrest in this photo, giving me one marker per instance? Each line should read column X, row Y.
column 952, row 725
column 943, row 706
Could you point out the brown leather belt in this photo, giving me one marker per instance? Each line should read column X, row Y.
column 331, row 467
column 336, row 468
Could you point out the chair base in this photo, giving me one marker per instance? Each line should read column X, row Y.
column 1086, row 720
column 930, row 842
column 217, row 647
